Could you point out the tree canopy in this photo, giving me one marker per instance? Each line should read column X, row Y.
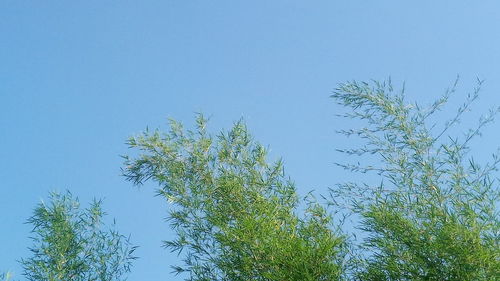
column 433, row 215
column 234, row 213
column 429, row 210
column 69, row 243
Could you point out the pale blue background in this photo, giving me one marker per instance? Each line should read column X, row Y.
column 78, row 77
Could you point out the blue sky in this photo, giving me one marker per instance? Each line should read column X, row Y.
column 78, row 77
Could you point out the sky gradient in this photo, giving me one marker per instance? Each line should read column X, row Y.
column 78, row 77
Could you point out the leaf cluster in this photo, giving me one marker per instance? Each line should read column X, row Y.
column 235, row 214
column 69, row 243
column 434, row 214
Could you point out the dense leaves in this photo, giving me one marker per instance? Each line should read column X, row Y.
column 433, row 215
column 69, row 244
column 233, row 212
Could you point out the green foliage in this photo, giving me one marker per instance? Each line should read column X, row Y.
column 429, row 212
column 235, row 215
column 434, row 215
column 69, row 244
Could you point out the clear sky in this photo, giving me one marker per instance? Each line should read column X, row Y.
column 78, row 77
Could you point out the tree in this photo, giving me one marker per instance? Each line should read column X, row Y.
column 235, row 214
column 433, row 215
column 70, row 244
